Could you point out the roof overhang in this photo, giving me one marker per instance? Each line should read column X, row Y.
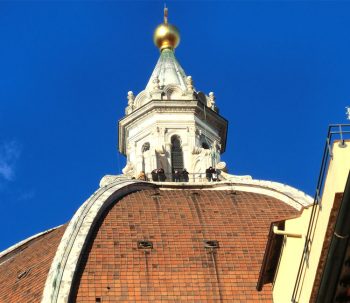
column 271, row 256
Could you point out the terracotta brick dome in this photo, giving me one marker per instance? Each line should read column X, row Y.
column 23, row 270
column 150, row 244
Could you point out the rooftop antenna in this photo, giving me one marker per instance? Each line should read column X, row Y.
column 165, row 14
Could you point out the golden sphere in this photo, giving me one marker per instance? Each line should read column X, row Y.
column 166, row 36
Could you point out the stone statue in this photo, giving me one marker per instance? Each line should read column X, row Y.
column 211, row 102
column 131, row 98
column 155, row 82
column 189, row 84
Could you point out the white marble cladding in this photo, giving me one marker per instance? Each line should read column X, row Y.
column 168, row 82
column 170, row 107
column 168, row 93
column 146, row 137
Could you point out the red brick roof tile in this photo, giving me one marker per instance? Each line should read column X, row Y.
column 23, row 271
column 179, row 268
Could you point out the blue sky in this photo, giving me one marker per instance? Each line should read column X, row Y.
column 279, row 69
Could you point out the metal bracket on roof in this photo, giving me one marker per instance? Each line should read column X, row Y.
column 277, row 231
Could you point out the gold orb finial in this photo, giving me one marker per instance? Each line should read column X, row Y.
column 166, row 35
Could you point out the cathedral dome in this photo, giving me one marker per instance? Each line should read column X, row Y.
column 135, row 241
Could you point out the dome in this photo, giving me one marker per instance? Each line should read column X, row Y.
column 135, row 241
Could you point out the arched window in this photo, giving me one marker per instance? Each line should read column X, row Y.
column 177, row 159
column 204, row 142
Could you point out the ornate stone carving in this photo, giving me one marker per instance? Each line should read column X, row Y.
column 109, row 179
column 155, row 82
column 189, row 84
column 130, row 107
column 196, row 150
column 131, row 98
column 129, row 169
column 211, row 101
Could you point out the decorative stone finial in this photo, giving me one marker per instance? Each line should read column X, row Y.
column 189, row 83
column 131, row 98
column 156, row 83
column 211, row 100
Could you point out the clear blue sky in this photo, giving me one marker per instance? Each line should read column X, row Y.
column 279, row 69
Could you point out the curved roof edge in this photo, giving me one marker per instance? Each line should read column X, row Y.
column 25, row 241
column 301, row 198
column 283, row 192
column 60, row 277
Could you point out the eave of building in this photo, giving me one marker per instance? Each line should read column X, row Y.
column 271, row 256
column 172, row 106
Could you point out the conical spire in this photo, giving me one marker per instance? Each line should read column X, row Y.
column 168, row 71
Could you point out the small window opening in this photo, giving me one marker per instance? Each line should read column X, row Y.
column 23, row 274
column 177, row 159
column 211, row 244
column 205, row 145
column 98, row 300
column 144, row 244
column 232, row 193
